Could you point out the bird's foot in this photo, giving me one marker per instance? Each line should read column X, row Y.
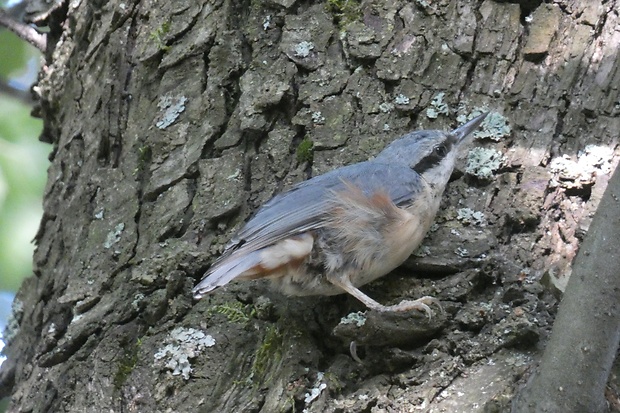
column 421, row 304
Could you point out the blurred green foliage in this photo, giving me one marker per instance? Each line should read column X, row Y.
column 23, row 165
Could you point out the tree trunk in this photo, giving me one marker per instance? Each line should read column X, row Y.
column 577, row 360
column 173, row 121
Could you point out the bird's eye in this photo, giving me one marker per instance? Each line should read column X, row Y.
column 441, row 150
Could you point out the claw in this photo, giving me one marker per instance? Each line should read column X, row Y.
column 421, row 304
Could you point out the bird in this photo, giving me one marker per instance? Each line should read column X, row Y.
column 340, row 230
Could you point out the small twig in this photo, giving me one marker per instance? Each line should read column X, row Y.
column 353, row 351
column 23, row 31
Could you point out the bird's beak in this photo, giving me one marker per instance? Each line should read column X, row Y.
column 463, row 131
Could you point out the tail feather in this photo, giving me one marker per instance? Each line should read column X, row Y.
column 255, row 264
column 224, row 272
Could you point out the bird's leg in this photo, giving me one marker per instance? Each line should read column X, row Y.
column 421, row 304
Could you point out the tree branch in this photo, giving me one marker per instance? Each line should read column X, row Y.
column 23, row 31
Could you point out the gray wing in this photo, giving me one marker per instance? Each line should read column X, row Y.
column 303, row 207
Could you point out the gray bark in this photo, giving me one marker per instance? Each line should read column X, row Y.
column 172, row 121
column 577, row 361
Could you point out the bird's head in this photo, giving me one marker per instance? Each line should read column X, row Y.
column 431, row 153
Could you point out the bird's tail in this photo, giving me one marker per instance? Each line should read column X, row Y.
column 266, row 262
column 224, row 272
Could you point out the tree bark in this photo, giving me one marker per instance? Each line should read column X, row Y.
column 173, row 121
column 577, row 361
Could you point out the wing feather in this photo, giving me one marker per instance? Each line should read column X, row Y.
column 304, row 207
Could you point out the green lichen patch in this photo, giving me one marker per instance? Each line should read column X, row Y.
column 158, row 34
column 114, row 236
column 470, row 217
column 305, row 151
column 303, row 49
column 437, row 107
column 344, row 11
column 357, row 318
column 171, row 108
column 268, row 352
column 482, row 163
column 235, row 311
column 182, row 346
column 494, row 127
column 145, row 154
column 126, row 364
column 422, row 251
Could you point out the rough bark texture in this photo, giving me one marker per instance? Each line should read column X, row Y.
column 578, row 358
column 172, row 121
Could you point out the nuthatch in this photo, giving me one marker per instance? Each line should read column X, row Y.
column 343, row 229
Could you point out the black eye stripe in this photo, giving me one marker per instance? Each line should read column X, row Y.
column 438, row 153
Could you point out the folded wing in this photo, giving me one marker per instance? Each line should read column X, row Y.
column 282, row 227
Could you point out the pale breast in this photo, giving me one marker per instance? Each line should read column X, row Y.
column 364, row 236
column 373, row 236
column 401, row 238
